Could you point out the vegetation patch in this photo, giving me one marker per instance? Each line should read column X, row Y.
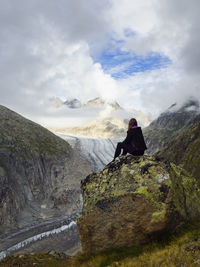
column 179, row 249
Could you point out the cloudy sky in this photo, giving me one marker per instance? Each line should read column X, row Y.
column 143, row 54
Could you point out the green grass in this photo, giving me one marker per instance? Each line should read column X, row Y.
column 180, row 249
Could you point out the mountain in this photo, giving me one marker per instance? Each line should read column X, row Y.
column 39, row 174
column 76, row 103
column 99, row 102
column 131, row 201
column 73, row 103
column 97, row 118
column 170, row 124
column 184, row 150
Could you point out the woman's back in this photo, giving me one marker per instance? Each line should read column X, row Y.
column 135, row 138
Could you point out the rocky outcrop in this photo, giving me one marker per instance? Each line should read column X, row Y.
column 39, row 173
column 134, row 200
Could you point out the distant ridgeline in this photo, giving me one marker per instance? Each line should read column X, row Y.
column 135, row 200
column 170, row 124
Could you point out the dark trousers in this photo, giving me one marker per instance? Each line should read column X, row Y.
column 126, row 149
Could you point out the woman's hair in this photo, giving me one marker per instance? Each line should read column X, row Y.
column 132, row 123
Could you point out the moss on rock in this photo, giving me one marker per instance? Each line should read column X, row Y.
column 142, row 176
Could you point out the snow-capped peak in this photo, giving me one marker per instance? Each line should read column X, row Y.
column 73, row 103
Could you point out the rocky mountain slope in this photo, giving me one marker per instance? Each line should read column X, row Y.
column 39, row 173
column 184, row 150
column 133, row 201
column 171, row 123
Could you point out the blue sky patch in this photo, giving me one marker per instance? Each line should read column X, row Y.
column 120, row 64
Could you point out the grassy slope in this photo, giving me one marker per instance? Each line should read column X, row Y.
column 180, row 249
column 23, row 137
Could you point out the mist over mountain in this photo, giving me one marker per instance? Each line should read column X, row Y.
column 99, row 102
column 76, row 103
column 100, row 118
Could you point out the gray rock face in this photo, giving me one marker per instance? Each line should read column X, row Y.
column 39, row 173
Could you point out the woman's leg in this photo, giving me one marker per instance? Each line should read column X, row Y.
column 125, row 151
column 119, row 147
column 118, row 150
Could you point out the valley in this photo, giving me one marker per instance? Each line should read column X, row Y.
column 59, row 233
column 46, row 215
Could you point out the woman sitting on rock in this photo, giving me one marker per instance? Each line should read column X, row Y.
column 134, row 142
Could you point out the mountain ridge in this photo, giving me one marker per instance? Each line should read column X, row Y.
column 169, row 124
column 39, row 173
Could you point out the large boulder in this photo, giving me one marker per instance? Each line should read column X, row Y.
column 134, row 200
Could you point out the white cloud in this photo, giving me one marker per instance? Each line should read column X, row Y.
column 45, row 52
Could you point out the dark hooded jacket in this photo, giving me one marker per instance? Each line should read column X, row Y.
column 135, row 139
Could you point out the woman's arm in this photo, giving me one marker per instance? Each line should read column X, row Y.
column 128, row 138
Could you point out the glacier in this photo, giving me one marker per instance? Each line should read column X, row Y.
column 98, row 151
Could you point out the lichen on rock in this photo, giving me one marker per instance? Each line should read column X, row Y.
column 132, row 201
column 185, row 191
